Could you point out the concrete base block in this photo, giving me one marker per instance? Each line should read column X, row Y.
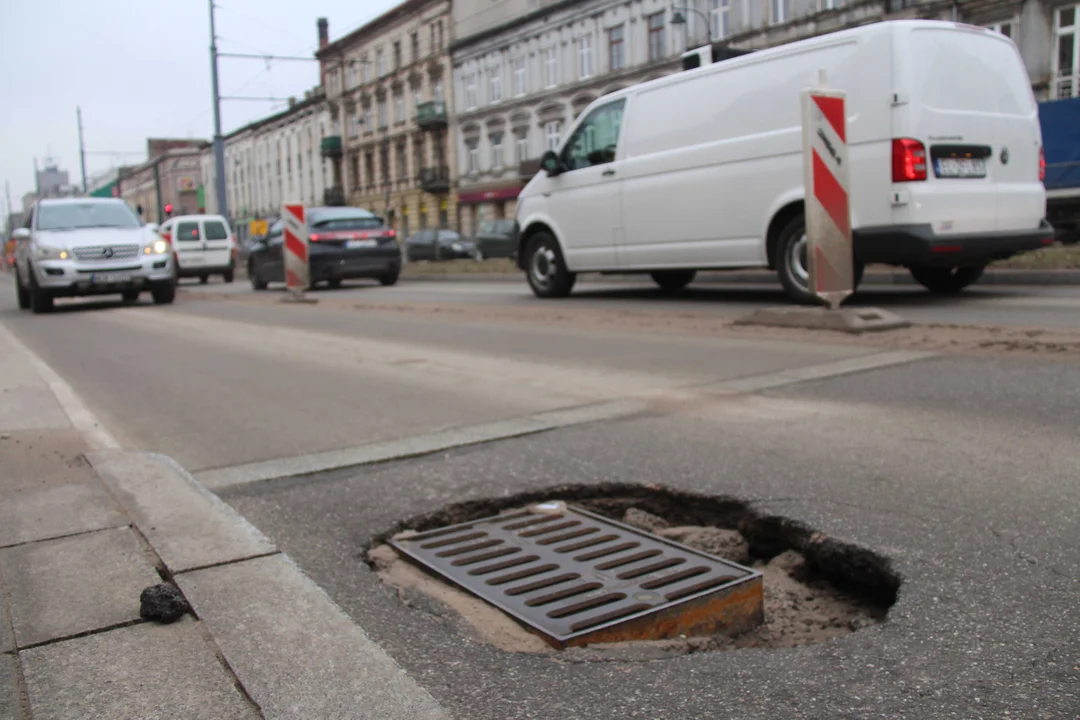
column 850, row 320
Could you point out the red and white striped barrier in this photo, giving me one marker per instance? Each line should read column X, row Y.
column 295, row 250
column 828, row 211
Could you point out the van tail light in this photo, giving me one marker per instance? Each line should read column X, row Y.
column 908, row 160
column 1042, row 164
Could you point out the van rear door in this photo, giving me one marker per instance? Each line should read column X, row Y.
column 971, row 105
column 217, row 244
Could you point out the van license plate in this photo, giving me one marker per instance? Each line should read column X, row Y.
column 960, row 167
column 354, row 244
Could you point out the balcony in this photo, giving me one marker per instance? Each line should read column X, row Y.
column 527, row 169
column 334, row 196
column 330, row 147
column 435, row 179
column 431, row 115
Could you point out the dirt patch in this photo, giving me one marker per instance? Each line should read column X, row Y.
column 816, row 587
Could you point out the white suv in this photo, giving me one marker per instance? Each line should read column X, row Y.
column 71, row 247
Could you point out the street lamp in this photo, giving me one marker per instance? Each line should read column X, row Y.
column 679, row 18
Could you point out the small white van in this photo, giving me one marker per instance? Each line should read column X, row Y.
column 704, row 170
column 203, row 245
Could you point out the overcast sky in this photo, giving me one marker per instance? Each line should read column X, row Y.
column 141, row 68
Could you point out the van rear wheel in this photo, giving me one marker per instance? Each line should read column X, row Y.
column 792, row 265
column 946, row 280
column 545, row 268
column 673, row 280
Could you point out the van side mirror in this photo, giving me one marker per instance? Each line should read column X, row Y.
column 550, row 163
column 20, row 234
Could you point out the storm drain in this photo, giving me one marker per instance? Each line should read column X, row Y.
column 579, row 578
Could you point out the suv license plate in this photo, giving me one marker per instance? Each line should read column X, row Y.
column 109, row 278
column 960, row 167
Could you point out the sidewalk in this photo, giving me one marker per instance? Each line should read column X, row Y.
column 85, row 526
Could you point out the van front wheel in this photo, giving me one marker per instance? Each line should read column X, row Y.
column 673, row 280
column 792, row 265
column 545, row 268
column 946, row 280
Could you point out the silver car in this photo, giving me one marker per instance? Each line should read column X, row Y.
column 72, row 247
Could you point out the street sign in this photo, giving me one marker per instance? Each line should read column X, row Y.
column 257, row 228
column 828, row 212
column 297, row 274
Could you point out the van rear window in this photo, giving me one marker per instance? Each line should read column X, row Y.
column 973, row 71
column 216, row 230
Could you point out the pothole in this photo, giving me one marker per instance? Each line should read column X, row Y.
column 816, row 587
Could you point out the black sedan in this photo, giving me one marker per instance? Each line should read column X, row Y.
column 344, row 244
column 435, row 244
column 495, row 239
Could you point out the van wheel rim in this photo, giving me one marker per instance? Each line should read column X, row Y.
column 797, row 261
column 543, row 266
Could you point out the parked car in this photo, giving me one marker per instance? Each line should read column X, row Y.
column 495, row 239
column 345, row 243
column 433, row 244
column 944, row 164
column 203, row 245
column 72, row 247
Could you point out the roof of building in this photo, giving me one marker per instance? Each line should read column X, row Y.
column 405, row 9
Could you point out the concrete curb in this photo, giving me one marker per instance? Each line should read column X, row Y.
column 763, row 277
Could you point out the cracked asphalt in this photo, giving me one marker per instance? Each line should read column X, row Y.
column 963, row 471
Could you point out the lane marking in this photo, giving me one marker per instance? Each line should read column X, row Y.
column 217, row 479
column 93, row 431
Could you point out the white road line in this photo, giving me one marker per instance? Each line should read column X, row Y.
column 89, row 426
column 835, row 368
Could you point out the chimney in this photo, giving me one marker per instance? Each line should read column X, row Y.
column 324, row 32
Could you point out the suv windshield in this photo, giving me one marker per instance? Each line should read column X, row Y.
column 74, row 216
column 344, row 220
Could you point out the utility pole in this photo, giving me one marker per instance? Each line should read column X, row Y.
column 82, row 148
column 219, row 141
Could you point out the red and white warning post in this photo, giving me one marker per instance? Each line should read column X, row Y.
column 297, row 273
column 828, row 211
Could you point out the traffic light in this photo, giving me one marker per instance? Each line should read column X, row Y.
column 168, row 210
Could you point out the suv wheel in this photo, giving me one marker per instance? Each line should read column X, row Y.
column 40, row 300
column 164, row 293
column 257, row 283
column 21, row 291
column 545, row 268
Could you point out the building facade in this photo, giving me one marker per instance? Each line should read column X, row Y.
column 169, row 177
column 273, row 161
column 524, row 69
column 389, row 88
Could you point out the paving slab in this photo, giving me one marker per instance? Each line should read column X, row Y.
column 188, row 526
column 295, row 652
column 12, row 701
column 59, row 588
column 7, row 638
column 48, row 489
column 133, row 673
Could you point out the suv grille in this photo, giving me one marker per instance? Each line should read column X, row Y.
column 106, row 253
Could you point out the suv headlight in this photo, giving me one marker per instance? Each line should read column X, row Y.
column 158, row 247
column 49, row 252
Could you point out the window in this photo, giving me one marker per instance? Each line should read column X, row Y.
column 518, row 66
column 720, row 17
column 384, row 163
column 657, row 40
column 397, row 54
column 1066, row 53
column 473, row 155
column 494, row 85
column 402, row 162
column 595, row 140
column 778, row 11
column 551, row 67
column 380, row 62
column 470, row 91
column 616, row 48
column 365, row 68
column 399, row 107
column 415, row 39
column 215, row 230
column 585, row 60
column 496, row 150
column 418, row 97
column 553, row 134
column 418, row 153
column 436, row 90
column 439, row 44
column 368, row 127
column 521, row 146
column 827, row 4
column 382, row 114
column 369, row 169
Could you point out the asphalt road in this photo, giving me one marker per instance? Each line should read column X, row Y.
column 962, row 470
column 1049, row 306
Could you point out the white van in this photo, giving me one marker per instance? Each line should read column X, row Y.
column 203, row 245
column 704, row 170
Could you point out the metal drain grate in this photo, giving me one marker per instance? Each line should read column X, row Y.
column 577, row 577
